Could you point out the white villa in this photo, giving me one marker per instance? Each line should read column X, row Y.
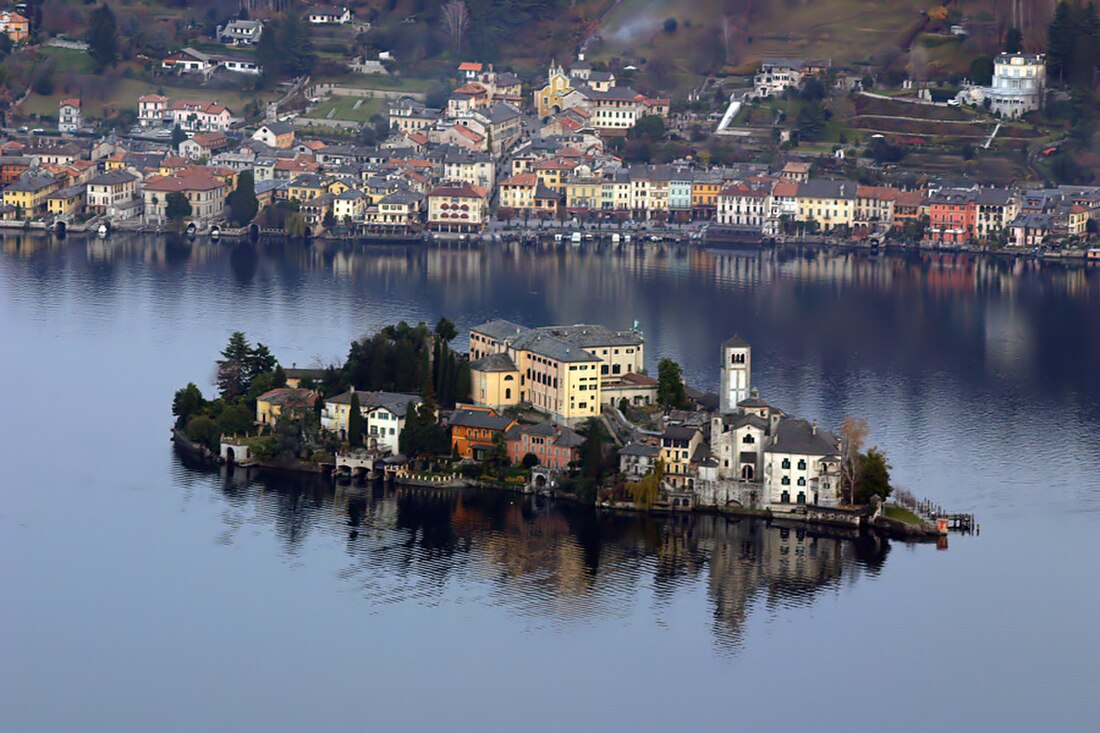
column 383, row 416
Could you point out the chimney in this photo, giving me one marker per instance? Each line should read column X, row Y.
column 813, row 426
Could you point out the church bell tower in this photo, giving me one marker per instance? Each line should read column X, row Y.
column 736, row 373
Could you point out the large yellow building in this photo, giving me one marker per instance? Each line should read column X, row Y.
column 28, row 193
column 559, row 370
column 829, row 203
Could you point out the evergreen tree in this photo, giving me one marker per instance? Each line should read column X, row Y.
column 280, row 377
column 463, row 382
column 260, row 361
column 874, row 477
column 1014, row 40
column 670, row 385
column 592, row 455
column 178, row 136
column 177, row 208
column 102, row 37
column 232, row 377
column 187, row 403
column 242, row 202
column 355, row 422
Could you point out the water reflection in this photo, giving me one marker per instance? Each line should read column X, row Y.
column 548, row 563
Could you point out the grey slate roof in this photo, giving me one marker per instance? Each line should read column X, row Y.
column 587, row 335
column 480, row 419
column 500, row 329
column 395, row 402
column 640, row 449
column 797, row 436
column 494, row 363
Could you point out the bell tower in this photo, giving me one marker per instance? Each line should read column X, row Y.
column 736, row 373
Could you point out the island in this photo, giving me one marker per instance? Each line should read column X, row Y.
column 567, row 412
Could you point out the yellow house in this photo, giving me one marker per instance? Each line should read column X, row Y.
column 306, row 188
column 67, row 201
column 678, row 445
column 583, row 192
column 518, row 192
column 829, row 203
column 28, row 193
column 552, row 173
column 284, row 400
column 549, row 99
column 338, row 186
column 1077, row 221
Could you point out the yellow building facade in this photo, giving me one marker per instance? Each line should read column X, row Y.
column 549, row 99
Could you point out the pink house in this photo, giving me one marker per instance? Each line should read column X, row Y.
column 554, row 445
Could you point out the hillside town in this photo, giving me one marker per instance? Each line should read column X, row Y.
column 499, row 155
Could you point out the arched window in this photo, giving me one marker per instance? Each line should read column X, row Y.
column 786, row 481
column 801, row 481
column 786, row 463
column 746, row 473
column 801, row 497
column 748, row 439
column 508, row 396
column 785, row 497
column 508, row 378
column 802, row 464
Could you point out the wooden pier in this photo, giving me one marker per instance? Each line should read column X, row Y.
column 934, row 513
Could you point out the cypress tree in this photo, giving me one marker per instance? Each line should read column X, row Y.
column 355, row 422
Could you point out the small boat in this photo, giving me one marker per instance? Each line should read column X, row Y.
column 615, row 238
column 102, row 231
column 215, row 233
column 557, row 237
column 576, row 239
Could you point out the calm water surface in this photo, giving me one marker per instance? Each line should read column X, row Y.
column 141, row 594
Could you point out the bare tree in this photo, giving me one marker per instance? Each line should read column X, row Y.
column 456, row 18
column 853, row 434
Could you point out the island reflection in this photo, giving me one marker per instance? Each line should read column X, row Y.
column 550, row 562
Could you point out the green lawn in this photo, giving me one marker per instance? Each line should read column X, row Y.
column 345, row 109
column 124, row 94
column 901, row 514
column 382, row 81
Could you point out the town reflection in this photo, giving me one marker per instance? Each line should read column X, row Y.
column 548, row 561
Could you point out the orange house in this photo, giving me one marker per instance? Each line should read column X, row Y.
column 474, row 428
column 17, row 28
column 952, row 217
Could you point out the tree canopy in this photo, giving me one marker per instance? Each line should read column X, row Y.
column 670, row 385
column 102, row 37
column 176, row 208
column 242, row 202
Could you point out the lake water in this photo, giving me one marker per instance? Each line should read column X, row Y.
column 140, row 594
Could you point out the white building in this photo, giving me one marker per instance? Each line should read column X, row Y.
column 152, row 109
column 743, row 206
column 736, row 373
column 328, row 15
column 241, row 32
column 637, row 459
column 69, row 117
column 383, row 416
column 801, row 466
column 737, row 442
column 1019, row 84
